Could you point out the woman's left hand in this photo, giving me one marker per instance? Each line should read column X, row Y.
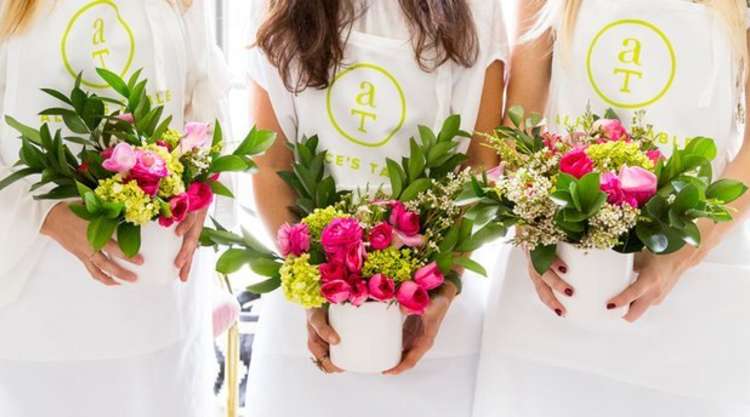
column 420, row 332
column 657, row 276
column 190, row 229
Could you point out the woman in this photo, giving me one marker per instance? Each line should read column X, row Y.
column 381, row 68
column 79, row 340
column 681, row 349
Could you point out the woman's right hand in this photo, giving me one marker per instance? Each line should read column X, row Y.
column 69, row 231
column 320, row 335
column 551, row 282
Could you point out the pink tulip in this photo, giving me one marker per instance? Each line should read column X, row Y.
column 332, row 271
column 413, row 298
column 122, row 158
column 612, row 129
column 126, row 117
column 381, row 287
column 179, row 206
column 381, row 236
column 355, row 258
column 576, row 163
column 638, row 183
column 196, row 137
column 429, row 276
column 336, row 292
column 400, row 239
column 359, row 294
column 201, row 196
column 293, row 239
column 405, row 221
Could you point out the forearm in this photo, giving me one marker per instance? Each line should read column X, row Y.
column 272, row 199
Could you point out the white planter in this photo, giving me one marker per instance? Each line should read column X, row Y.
column 159, row 248
column 597, row 276
column 371, row 336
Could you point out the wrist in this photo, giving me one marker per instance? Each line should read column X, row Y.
column 47, row 228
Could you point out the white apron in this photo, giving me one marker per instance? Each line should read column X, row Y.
column 672, row 59
column 58, row 312
column 370, row 111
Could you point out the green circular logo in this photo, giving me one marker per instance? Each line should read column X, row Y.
column 366, row 104
column 96, row 37
column 631, row 63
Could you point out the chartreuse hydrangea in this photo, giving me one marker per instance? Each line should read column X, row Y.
column 611, row 156
column 398, row 264
column 172, row 185
column 172, row 138
column 319, row 219
column 300, row 282
column 139, row 208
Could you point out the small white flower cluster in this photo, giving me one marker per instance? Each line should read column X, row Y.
column 198, row 161
column 609, row 225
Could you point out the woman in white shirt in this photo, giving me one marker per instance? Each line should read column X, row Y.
column 75, row 342
column 362, row 75
column 682, row 347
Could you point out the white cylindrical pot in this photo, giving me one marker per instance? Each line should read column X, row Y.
column 159, row 248
column 371, row 336
column 597, row 276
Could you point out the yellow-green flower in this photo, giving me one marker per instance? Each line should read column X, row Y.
column 172, row 138
column 391, row 262
column 611, row 156
column 319, row 219
column 139, row 208
column 172, row 185
column 300, row 282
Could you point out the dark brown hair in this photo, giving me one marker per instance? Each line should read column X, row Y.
column 305, row 39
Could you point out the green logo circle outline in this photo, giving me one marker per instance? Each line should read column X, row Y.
column 401, row 94
column 75, row 18
column 667, row 42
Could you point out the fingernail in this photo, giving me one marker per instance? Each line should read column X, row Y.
column 611, row 306
column 558, row 312
column 569, row 292
column 563, row 269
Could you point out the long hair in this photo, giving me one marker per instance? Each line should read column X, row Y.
column 305, row 39
column 16, row 14
column 733, row 13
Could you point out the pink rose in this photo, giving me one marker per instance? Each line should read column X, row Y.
column 612, row 129
column 332, row 271
column 339, row 236
column 429, row 276
column 179, row 206
column 148, row 171
column 336, row 292
column 196, row 136
column 126, row 117
column 122, row 158
column 381, row 236
column 355, row 258
column 655, row 155
column 381, row 287
column 576, row 163
column 359, row 294
column 638, row 183
column 405, row 221
column 413, row 298
column 293, row 239
column 201, row 196
column 611, row 185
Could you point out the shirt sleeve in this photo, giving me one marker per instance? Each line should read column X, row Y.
column 468, row 83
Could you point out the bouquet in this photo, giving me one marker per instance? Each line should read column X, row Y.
column 129, row 168
column 370, row 249
column 601, row 186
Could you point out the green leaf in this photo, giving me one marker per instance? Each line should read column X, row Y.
column 542, row 258
column 486, row 234
column 256, row 143
column 100, row 232
column 233, row 260
column 687, row 199
column 10, row 179
column 254, row 244
column 75, row 124
column 726, row 191
column 129, row 238
column 228, row 163
column 471, row 265
column 516, row 114
column 114, row 81
column 414, row 189
column 703, row 147
column 450, row 128
column 451, row 238
column 80, row 211
column 58, row 95
column 26, row 131
column 266, row 286
column 416, row 161
column 92, row 203
column 220, row 189
column 265, row 266
column 396, row 175
column 83, row 189
column 427, row 136
column 652, row 236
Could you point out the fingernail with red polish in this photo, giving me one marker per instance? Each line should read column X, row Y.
column 563, row 269
column 558, row 312
column 611, row 306
column 569, row 292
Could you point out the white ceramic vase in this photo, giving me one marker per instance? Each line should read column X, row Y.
column 371, row 336
column 597, row 276
column 159, row 248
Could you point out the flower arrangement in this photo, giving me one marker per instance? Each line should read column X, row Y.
column 396, row 244
column 130, row 168
column 600, row 186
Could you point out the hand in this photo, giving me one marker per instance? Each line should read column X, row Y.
column 657, row 275
column 320, row 335
column 420, row 332
column 550, row 282
column 190, row 229
column 69, row 231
